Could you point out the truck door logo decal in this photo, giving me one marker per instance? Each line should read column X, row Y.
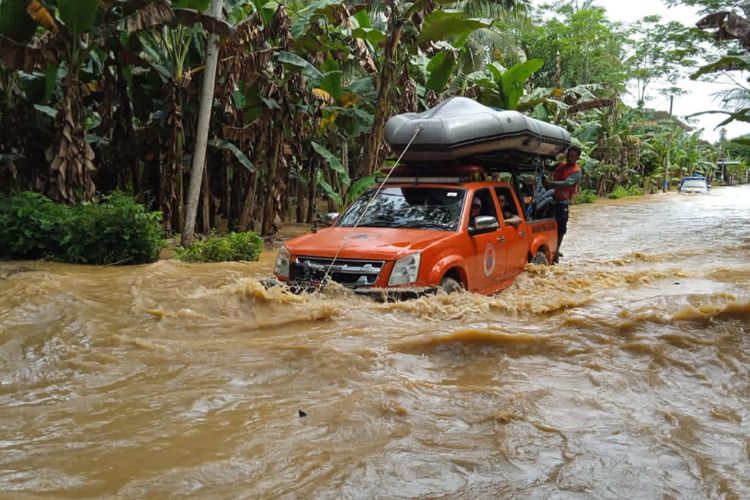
column 489, row 259
column 541, row 227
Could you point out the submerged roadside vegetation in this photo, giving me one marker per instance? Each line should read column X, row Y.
column 99, row 101
column 116, row 231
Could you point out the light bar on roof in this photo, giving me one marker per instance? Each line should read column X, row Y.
column 420, row 180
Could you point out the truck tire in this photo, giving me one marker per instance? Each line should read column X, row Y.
column 450, row 285
column 540, row 259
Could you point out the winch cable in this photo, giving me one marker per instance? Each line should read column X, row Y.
column 417, row 130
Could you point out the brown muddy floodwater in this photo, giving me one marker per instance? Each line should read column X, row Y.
column 624, row 372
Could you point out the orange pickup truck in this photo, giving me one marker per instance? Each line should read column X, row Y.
column 423, row 233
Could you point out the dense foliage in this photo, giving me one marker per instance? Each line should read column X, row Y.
column 621, row 192
column 233, row 247
column 32, row 227
column 585, row 196
column 103, row 96
column 116, row 231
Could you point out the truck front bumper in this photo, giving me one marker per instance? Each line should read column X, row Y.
column 379, row 294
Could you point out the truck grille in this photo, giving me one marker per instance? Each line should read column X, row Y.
column 351, row 273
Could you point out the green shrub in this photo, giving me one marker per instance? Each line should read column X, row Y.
column 621, row 192
column 586, row 196
column 234, row 246
column 117, row 231
column 31, row 226
column 618, row 192
column 635, row 191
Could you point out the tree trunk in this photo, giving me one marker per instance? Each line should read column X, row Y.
column 311, row 193
column 124, row 134
column 214, row 186
column 600, row 188
column 383, row 107
column 72, row 165
column 240, row 184
column 268, row 212
column 179, row 208
column 248, row 205
column 225, row 199
column 289, row 187
column 205, row 204
column 150, row 178
column 171, row 168
column 201, row 139
column 345, row 157
column 300, row 201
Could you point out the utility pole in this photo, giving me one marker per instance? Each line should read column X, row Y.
column 201, row 135
column 669, row 148
column 722, row 157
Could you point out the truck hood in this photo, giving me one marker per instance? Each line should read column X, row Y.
column 365, row 243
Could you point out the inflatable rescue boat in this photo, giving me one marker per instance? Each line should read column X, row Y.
column 459, row 127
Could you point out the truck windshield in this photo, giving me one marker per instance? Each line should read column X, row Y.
column 407, row 207
column 694, row 183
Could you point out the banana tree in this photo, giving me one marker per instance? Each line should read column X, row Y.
column 342, row 191
column 70, row 32
column 562, row 106
column 618, row 142
column 503, row 88
column 69, row 35
column 16, row 26
column 268, row 110
column 167, row 50
column 175, row 52
column 334, row 47
column 430, row 26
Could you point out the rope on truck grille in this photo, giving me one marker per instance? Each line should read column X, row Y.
column 326, row 276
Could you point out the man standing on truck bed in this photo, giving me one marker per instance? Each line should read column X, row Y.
column 565, row 183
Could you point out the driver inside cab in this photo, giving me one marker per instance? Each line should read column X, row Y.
column 476, row 209
column 511, row 218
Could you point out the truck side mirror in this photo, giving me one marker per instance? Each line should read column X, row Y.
column 330, row 218
column 484, row 224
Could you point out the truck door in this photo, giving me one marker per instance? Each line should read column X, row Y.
column 513, row 238
column 485, row 262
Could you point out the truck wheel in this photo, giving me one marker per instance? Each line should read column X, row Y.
column 540, row 259
column 450, row 285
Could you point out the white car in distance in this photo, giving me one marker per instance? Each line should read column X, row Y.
column 694, row 184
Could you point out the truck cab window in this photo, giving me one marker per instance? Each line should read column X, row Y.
column 507, row 203
column 482, row 204
column 508, row 206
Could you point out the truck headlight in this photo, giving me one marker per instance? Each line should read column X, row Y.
column 282, row 263
column 405, row 270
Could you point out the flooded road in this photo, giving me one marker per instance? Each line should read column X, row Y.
column 623, row 372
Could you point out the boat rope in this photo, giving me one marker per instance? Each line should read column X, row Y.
column 327, row 274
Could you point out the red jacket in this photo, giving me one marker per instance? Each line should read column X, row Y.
column 565, row 190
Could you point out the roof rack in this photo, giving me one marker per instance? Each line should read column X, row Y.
column 423, row 179
column 500, row 161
